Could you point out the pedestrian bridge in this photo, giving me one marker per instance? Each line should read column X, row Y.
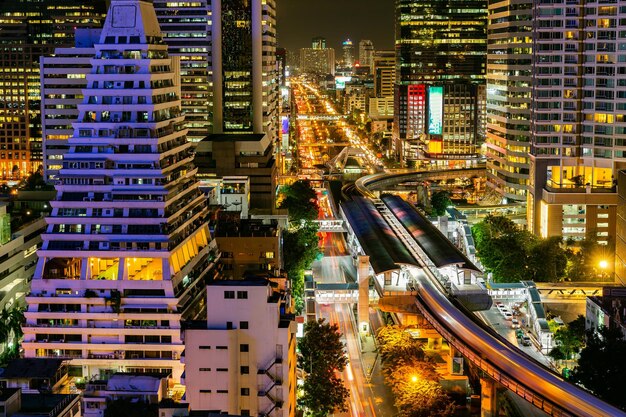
column 336, row 293
column 331, row 225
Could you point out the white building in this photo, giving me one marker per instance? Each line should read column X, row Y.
column 242, row 361
column 127, row 247
column 63, row 77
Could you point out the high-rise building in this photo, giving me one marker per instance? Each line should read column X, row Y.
column 127, row 249
column 318, row 43
column 578, row 119
column 366, row 53
column 244, row 81
column 242, row 360
column 440, row 66
column 508, row 97
column 348, row 53
column 317, row 61
column 186, row 31
column 31, row 29
column 384, row 72
column 63, row 78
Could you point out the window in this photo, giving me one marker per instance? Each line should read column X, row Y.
column 245, row 370
column 205, row 347
column 243, row 324
column 242, row 294
column 221, row 347
column 205, row 369
column 229, row 325
column 245, row 392
column 229, row 294
column 221, row 369
column 222, row 391
column 244, row 413
column 205, row 391
column 244, row 348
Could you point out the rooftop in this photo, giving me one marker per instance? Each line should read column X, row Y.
column 238, row 137
column 245, row 228
column 32, row 368
column 6, row 393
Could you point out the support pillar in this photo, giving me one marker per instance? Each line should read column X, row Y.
column 363, row 307
column 455, row 362
column 488, row 397
column 467, row 277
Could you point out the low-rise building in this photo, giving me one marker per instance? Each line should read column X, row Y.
column 609, row 310
column 33, row 375
column 242, row 360
column 14, row 403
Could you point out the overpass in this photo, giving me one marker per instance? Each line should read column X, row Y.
column 391, row 239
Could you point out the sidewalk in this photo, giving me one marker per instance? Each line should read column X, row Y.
column 370, row 361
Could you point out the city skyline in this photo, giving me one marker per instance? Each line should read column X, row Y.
column 298, row 23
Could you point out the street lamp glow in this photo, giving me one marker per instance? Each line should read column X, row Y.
column 603, row 264
column 414, row 378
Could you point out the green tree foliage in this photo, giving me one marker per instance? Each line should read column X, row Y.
column 569, row 339
column 322, row 357
column 439, row 201
column 300, row 242
column 301, row 201
column 601, row 368
column 512, row 254
column 413, row 381
column 417, row 392
column 396, row 344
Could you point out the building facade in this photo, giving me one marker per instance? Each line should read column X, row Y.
column 317, row 61
column 509, row 65
column 440, row 65
column 366, row 53
column 127, row 248
column 384, row 72
column 63, row 78
column 242, row 361
column 347, row 58
column 30, row 30
column 578, row 125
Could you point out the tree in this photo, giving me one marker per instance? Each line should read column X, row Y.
column 396, row 344
column 439, row 201
column 322, row 356
column 601, row 368
column 417, row 391
column 301, row 201
column 547, row 260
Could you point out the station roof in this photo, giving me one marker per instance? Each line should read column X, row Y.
column 376, row 237
column 439, row 249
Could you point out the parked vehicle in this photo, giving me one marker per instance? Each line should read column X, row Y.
column 526, row 341
column 519, row 333
column 515, row 323
column 507, row 315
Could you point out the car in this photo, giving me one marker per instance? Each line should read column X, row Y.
column 515, row 323
column 519, row 333
column 507, row 315
column 504, row 311
column 526, row 341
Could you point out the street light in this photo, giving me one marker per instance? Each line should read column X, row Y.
column 414, row 378
column 603, row 264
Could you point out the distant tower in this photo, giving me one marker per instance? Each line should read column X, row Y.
column 366, row 53
column 348, row 53
column 318, row 43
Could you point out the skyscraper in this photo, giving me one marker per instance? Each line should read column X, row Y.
column 366, row 53
column 244, row 82
column 348, row 53
column 318, row 42
column 440, row 70
column 31, row 29
column 127, row 249
column 508, row 97
column 384, row 72
column 186, row 31
column 317, row 60
column 577, row 120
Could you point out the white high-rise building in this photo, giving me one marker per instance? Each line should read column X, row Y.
column 127, row 248
column 63, row 78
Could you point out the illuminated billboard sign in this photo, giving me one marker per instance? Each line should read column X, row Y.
column 435, row 110
column 340, row 82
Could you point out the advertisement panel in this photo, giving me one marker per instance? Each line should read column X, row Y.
column 435, row 110
column 340, row 82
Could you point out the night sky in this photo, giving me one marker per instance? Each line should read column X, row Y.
column 336, row 20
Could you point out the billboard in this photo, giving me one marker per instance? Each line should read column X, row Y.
column 340, row 82
column 435, row 110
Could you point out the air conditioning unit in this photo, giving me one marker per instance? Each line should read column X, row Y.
column 107, row 212
column 104, row 245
